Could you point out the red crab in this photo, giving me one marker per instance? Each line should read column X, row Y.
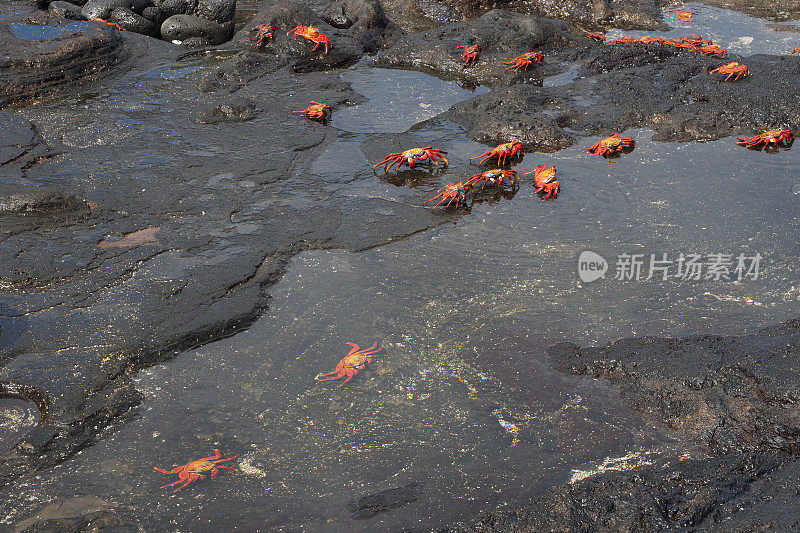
column 768, row 139
column 711, row 50
column 470, row 54
column 612, row 146
column 264, row 32
column 730, row 69
column 502, row 152
column 596, row 36
column 545, row 179
column 316, row 111
column 312, row 34
column 676, row 44
column 190, row 472
column 682, row 15
column 796, row 51
column 493, row 178
column 413, row 157
column 524, row 61
column 649, row 39
column 452, row 192
column 624, row 40
column 114, row 24
column 696, row 40
column 357, row 359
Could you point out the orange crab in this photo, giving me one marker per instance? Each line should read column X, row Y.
column 316, row 111
column 357, row 359
column 264, row 32
column 676, row 44
column 612, row 146
column 545, row 179
column 649, row 39
column 312, row 34
column 683, row 15
column 470, row 54
column 493, row 178
column 452, row 192
column 711, row 50
column 524, row 61
column 624, row 40
column 796, row 51
column 696, row 40
column 502, row 152
column 190, row 472
column 114, row 24
column 599, row 37
column 413, row 157
column 768, row 139
column 730, row 69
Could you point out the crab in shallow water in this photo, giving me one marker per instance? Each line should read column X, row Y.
column 413, row 157
column 190, row 472
column 357, row 359
column 452, row 192
column 683, row 15
column 730, row 69
column 312, row 34
column 264, row 33
column 316, row 111
column 612, row 146
column 470, row 54
column 493, row 178
column 524, row 61
column 768, row 139
column 796, row 51
column 545, row 179
column 599, row 37
column 502, row 152
column 711, row 50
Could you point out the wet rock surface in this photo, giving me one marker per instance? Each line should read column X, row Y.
column 736, row 396
column 80, row 53
column 366, row 31
column 132, row 222
column 624, row 86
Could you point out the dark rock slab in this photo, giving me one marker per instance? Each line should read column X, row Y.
column 76, row 55
column 380, row 502
column 370, row 29
column 732, row 394
column 502, row 35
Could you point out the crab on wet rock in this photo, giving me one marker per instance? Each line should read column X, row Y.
column 493, row 178
column 412, row 158
column 612, row 146
column 312, row 34
column 470, row 54
column 545, row 179
column 502, row 153
column 264, row 33
column 730, row 69
column 768, row 139
column 711, row 50
column 524, row 61
column 317, row 111
column 599, row 37
column 454, row 194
